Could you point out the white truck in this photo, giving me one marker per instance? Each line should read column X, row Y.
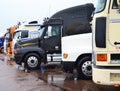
column 26, row 31
column 106, row 43
column 77, row 42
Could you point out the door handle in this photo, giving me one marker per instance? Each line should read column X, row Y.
column 56, row 47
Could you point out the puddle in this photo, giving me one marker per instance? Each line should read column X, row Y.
column 65, row 81
column 52, row 77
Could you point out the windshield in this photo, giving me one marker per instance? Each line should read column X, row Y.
column 7, row 36
column 100, row 5
column 51, row 30
column 16, row 35
column 41, row 31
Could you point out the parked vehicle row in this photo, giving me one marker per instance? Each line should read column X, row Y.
column 72, row 24
column 1, row 44
column 83, row 37
column 16, row 33
column 8, row 41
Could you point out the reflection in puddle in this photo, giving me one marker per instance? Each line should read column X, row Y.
column 55, row 78
column 66, row 83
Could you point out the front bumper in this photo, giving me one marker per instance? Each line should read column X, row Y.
column 106, row 76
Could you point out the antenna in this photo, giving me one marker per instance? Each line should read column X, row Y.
column 49, row 9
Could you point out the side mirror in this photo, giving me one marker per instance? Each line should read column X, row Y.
column 18, row 38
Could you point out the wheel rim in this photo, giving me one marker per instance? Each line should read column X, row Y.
column 32, row 61
column 87, row 68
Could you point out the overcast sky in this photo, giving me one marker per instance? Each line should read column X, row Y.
column 13, row 11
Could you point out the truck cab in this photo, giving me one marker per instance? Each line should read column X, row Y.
column 26, row 31
column 33, row 52
column 23, row 35
column 106, row 43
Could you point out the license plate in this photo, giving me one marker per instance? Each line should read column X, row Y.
column 114, row 76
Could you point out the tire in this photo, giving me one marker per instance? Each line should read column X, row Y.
column 32, row 61
column 85, row 68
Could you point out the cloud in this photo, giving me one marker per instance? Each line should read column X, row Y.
column 13, row 11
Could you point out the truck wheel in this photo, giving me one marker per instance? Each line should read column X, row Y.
column 85, row 68
column 32, row 61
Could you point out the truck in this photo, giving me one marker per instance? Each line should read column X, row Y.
column 77, row 42
column 32, row 52
column 106, row 43
column 9, row 36
column 8, row 41
column 64, row 31
column 26, row 31
column 23, row 35
column 1, row 44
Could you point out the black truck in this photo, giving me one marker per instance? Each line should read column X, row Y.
column 35, row 51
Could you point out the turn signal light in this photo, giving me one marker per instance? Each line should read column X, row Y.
column 65, row 55
column 116, row 85
column 102, row 57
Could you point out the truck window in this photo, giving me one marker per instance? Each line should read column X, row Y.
column 7, row 37
column 24, row 34
column 34, row 34
column 53, row 31
column 115, row 5
column 41, row 31
column 100, row 5
column 16, row 35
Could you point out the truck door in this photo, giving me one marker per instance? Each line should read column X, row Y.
column 51, row 42
column 114, row 27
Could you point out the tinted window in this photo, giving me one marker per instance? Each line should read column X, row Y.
column 24, row 34
column 34, row 34
column 16, row 35
column 115, row 5
column 55, row 30
column 100, row 5
column 7, row 37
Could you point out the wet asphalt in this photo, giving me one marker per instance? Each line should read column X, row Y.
column 50, row 79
